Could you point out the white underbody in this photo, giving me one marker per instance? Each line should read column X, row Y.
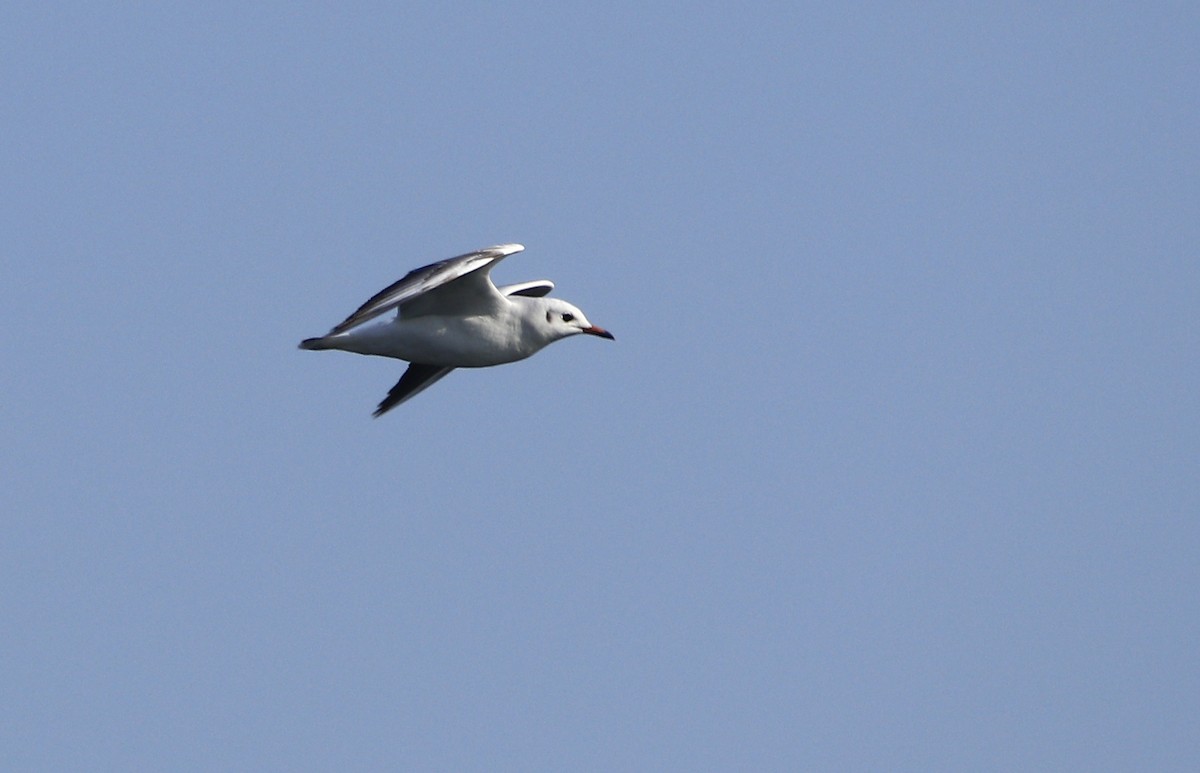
column 448, row 341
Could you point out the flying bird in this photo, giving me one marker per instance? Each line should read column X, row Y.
column 450, row 315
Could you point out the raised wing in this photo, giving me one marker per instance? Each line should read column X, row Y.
column 415, row 380
column 430, row 286
column 535, row 289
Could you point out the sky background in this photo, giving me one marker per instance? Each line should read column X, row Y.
column 894, row 463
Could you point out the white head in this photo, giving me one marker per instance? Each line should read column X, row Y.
column 560, row 319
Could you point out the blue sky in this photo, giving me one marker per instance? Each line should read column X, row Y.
column 893, row 465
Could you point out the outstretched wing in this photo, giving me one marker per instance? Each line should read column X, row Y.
column 415, row 380
column 449, row 286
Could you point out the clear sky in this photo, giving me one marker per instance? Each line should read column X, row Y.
column 894, row 464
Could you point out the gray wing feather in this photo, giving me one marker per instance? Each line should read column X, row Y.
column 429, row 278
column 415, row 380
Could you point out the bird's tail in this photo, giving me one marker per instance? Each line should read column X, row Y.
column 316, row 343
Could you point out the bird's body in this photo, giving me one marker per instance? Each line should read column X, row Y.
column 450, row 341
column 450, row 315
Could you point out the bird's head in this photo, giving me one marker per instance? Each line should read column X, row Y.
column 562, row 320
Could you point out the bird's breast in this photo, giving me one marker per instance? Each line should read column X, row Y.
column 461, row 342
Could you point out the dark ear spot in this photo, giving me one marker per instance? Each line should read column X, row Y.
column 549, row 316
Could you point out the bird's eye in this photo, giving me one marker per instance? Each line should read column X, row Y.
column 568, row 317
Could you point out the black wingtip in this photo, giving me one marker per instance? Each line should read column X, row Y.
column 416, row 378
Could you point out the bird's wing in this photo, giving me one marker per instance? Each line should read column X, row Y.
column 415, row 380
column 451, row 286
column 535, row 289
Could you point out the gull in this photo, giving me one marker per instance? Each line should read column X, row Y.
column 450, row 315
